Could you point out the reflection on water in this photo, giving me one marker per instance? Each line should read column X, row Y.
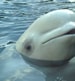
column 15, row 18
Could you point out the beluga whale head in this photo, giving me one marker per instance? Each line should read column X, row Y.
column 50, row 39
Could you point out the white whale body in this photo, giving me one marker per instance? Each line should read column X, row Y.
column 50, row 39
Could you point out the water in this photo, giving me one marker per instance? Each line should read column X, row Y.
column 15, row 18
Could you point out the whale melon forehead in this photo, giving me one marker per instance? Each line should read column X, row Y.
column 52, row 20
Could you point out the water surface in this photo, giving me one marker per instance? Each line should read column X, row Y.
column 15, row 18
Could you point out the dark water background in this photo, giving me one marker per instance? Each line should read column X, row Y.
column 15, row 18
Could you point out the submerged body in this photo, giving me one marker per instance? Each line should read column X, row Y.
column 50, row 39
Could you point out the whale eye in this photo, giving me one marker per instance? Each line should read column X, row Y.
column 28, row 46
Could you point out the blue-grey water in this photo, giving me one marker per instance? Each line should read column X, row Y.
column 15, row 18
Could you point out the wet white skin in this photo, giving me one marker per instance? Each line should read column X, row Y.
column 48, row 38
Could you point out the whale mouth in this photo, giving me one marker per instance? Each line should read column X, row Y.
column 70, row 32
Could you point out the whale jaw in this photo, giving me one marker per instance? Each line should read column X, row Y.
column 45, row 63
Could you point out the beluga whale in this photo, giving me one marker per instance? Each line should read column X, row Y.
column 50, row 39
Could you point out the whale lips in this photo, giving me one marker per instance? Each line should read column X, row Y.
column 70, row 32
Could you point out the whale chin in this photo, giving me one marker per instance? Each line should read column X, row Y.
column 45, row 63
